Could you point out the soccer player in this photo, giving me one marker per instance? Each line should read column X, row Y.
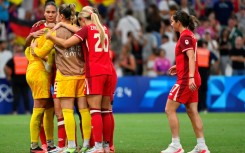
column 70, row 73
column 95, row 44
column 185, row 91
column 38, row 79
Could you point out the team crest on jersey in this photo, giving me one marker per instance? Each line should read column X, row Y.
column 186, row 42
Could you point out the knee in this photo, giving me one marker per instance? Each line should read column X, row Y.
column 169, row 111
column 191, row 112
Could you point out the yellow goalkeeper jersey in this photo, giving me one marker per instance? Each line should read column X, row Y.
column 45, row 48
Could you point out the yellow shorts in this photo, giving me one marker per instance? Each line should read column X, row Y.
column 39, row 82
column 70, row 88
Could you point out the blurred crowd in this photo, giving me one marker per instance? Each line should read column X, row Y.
column 142, row 39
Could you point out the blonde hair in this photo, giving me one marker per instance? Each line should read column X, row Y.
column 92, row 14
column 69, row 12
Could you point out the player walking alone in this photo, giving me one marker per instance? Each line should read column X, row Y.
column 185, row 91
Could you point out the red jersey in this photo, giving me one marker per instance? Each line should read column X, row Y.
column 97, row 59
column 187, row 41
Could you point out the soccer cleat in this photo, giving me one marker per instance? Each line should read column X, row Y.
column 84, row 149
column 173, row 149
column 37, row 150
column 200, row 150
column 45, row 147
column 70, row 150
column 95, row 150
column 51, row 148
column 56, row 150
column 112, row 149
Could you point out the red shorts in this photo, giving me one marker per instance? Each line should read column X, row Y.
column 98, row 85
column 182, row 94
column 113, row 78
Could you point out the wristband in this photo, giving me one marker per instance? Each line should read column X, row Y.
column 191, row 77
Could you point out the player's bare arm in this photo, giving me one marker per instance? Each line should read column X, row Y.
column 70, row 27
column 192, row 64
column 62, row 42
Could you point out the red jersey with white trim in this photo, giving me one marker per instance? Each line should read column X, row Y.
column 97, row 59
column 187, row 41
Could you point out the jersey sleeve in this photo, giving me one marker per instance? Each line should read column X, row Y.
column 34, row 29
column 51, row 57
column 186, row 43
column 45, row 49
column 82, row 33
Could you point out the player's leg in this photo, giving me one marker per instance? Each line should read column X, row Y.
column 60, row 121
column 67, row 104
column 67, row 98
column 191, row 109
column 83, row 109
column 94, row 90
column 38, row 111
column 61, row 126
column 39, row 84
column 43, row 136
column 170, row 109
column 86, row 122
column 48, row 124
column 94, row 102
column 111, row 144
column 107, row 122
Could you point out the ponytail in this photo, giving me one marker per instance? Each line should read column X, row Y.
column 96, row 21
column 92, row 14
column 193, row 22
column 73, row 17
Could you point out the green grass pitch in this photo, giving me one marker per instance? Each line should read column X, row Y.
column 142, row 133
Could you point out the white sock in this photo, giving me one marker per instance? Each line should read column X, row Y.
column 86, row 143
column 98, row 145
column 176, row 141
column 50, row 143
column 71, row 144
column 34, row 145
column 201, row 143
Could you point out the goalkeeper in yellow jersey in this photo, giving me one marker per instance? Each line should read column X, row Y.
column 38, row 79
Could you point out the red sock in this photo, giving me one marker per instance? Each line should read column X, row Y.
column 91, row 142
column 112, row 129
column 107, row 125
column 97, row 124
column 42, row 135
column 61, row 133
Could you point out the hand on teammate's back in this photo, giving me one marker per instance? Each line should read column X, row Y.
column 57, row 26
